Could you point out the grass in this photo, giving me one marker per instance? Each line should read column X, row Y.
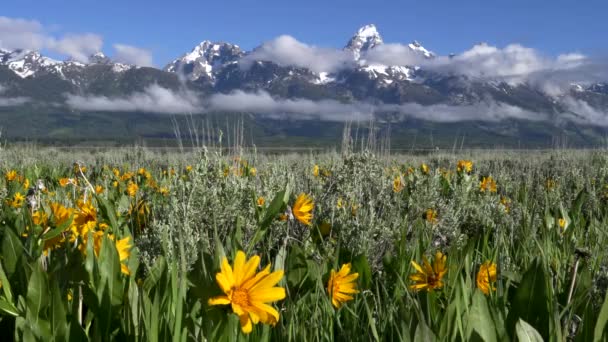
column 544, row 228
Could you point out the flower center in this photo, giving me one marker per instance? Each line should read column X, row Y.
column 240, row 297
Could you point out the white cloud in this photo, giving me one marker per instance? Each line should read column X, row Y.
column 132, row 55
column 17, row 33
column 393, row 54
column 287, row 51
column 263, row 103
column 154, row 99
column 582, row 112
column 11, row 101
column 79, row 47
column 330, row 110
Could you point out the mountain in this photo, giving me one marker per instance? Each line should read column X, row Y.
column 205, row 60
column 42, row 86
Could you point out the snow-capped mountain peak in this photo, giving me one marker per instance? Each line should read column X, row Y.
column 366, row 38
column 99, row 58
column 416, row 46
column 205, row 59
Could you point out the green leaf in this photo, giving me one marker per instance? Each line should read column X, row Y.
column 361, row 266
column 9, row 308
column 58, row 314
column 527, row 333
column 424, row 333
column 601, row 325
column 531, row 301
column 480, row 320
column 37, row 290
column 12, row 250
column 155, row 273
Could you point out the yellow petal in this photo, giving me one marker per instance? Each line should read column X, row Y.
column 219, row 300
column 269, row 281
column 250, row 267
column 227, row 271
column 252, row 281
column 223, row 283
column 246, row 325
column 239, row 262
column 268, row 309
column 267, row 294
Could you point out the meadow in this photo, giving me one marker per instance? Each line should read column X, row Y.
column 134, row 244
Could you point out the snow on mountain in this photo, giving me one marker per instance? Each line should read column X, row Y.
column 366, row 38
column 205, row 59
column 27, row 63
column 416, row 46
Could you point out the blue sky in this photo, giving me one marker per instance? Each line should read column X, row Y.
column 169, row 29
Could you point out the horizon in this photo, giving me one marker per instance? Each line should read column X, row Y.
column 150, row 39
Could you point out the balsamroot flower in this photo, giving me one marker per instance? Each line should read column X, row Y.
column 429, row 277
column 302, row 209
column 342, row 285
column 464, row 166
column 398, row 184
column 487, row 184
column 249, row 292
column 486, row 277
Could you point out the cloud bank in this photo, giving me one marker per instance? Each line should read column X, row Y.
column 287, row 51
column 11, row 101
column 154, row 99
column 132, row 55
column 16, row 33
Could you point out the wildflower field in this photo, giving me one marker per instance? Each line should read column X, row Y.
column 136, row 245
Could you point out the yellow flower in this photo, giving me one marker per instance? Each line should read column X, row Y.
column 189, row 168
column 123, row 246
column 487, row 184
column 39, row 218
column 283, row 217
column 65, row 181
column 340, row 203
column 506, row 203
column 115, row 184
column 116, row 172
column 429, row 277
column 253, row 172
column 562, row 223
column 249, row 292
column 17, row 201
column 261, row 201
column 98, row 189
column 354, row 209
column 430, row 216
column 342, row 285
column 550, row 183
column 141, row 171
column 464, row 166
column 315, row 170
column 164, row 191
column 26, row 184
column 132, row 189
column 10, row 175
column 126, row 176
column 85, row 219
column 486, row 277
column 424, row 168
column 397, row 184
column 78, row 169
column 302, row 209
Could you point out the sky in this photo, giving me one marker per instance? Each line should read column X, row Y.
column 155, row 32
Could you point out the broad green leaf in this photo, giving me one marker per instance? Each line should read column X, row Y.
column 526, row 333
column 12, row 250
column 155, row 273
column 424, row 333
column 480, row 320
column 531, row 301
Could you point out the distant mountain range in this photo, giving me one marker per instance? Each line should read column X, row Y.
column 35, row 87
